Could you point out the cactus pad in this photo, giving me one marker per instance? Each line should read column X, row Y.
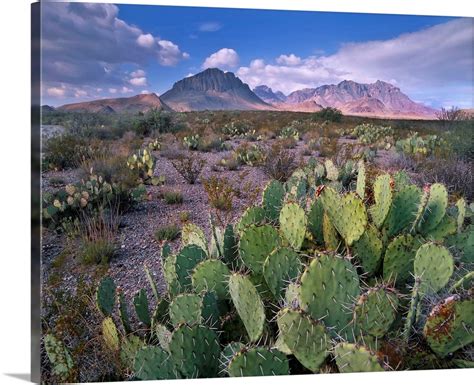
column 376, row 311
column 211, row 275
column 185, row 308
column 383, row 200
column 330, row 236
column 195, row 350
column 306, row 338
column 329, row 286
column 248, row 304
column 252, row 216
column 332, row 172
column 186, row 261
column 315, row 221
column 258, row 361
column 281, row 266
column 293, row 224
column 61, row 360
column 110, row 335
column 352, row 358
column 360, row 185
column 398, row 260
column 347, row 214
column 192, row 234
column 227, row 353
column 435, row 208
column 140, row 302
column 272, row 199
column 169, row 273
column 368, row 250
column 105, row 296
column 256, row 243
column 450, row 325
column 434, row 265
column 403, row 211
column 154, row 363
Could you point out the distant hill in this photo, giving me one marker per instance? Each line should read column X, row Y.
column 268, row 95
column 47, row 108
column 213, row 89
column 134, row 104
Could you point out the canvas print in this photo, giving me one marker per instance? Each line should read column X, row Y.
column 242, row 192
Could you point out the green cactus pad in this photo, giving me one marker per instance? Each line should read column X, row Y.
column 281, row 266
column 306, row 338
column 248, row 304
column 360, row 186
column 256, row 243
column 403, row 211
column 128, row 350
column 186, row 261
column 185, row 308
column 60, row 358
column 330, row 236
column 383, row 200
column 211, row 275
column 258, row 361
column 230, row 247
column 332, row 172
column 195, row 350
column 398, row 260
column 252, row 216
column 105, row 296
column 461, row 206
column 434, row 265
column 169, row 273
column 163, row 335
column 292, row 296
column 140, row 302
column 124, row 314
column 329, row 286
column 210, row 309
column 450, row 325
column 446, row 227
column 375, row 311
column 435, row 208
column 347, row 214
column 272, row 199
column 227, row 353
column 110, row 335
column 154, row 363
column 293, row 224
column 315, row 221
column 192, row 234
column 368, row 250
column 352, row 358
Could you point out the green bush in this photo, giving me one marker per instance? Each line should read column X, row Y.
column 329, row 113
column 173, row 197
column 167, row 233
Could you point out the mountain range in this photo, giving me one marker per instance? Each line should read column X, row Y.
column 213, row 89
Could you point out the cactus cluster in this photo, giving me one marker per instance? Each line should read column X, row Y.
column 312, row 279
column 420, row 145
column 289, row 132
column 191, row 142
column 372, row 135
column 143, row 163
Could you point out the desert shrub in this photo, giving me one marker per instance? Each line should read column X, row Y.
column 451, row 114
column 167, row 233
column 288, row 143
column 219, row 192
column 290, row 132
column 212, row 143
column 154, row 121
column 372, row 135
column 230, row 163
column 64, row 151
column 191, row 142
column 328, row 147
column 56, row 182
column 184, row 216
column 279, row 163
column 189, row 167
column 329, row 113
column 249, row 154
column 237, row 129
column 173, row 197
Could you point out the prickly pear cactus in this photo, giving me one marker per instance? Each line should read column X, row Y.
column 230, row 248
column 192, row 234
column 252, row 216
column 368, row 250
column 375, row 311
column 332, row 172
column 435, row 208
column 61, row 360
column 154, row 363
column 450, row 325
column 169, row 272
column 347, row 214
column 272, row 199
column 129, row 347
column 403, row 211
column 461, row 206
column 248, row 304
column 434, row 265
column 330, row 236
column 329, row 286
column 186, row 261
column 124, row 315
column 211, row 275
column 110, row 335
column 315, row 221
column 256, row 243
column 229, row 351
column 282, row 266
column 293, row 224
column 398, row 260
column 140, row 301
column 105, row 296
column 383, row 199
column 258, row 361
column 185, row 308
column 360, row 186
column 352, row 358
column 195, row 350
column 306, row 338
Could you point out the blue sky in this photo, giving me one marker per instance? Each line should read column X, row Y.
column 101, row 50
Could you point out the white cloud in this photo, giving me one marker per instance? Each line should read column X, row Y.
column 210, row 27
column 224, row 58
column 125, row 90
column 421, row 63
column 57, row 92
column 113, row 90
column 146, row 40
column 289, row 60
column 170, row 54
column 138, row 74
column 143, row 92
column 138, row 81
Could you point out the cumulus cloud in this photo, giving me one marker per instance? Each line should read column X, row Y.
column 138, row 81
column 224, row 58
column 87, row 44
column 421, row 63
column 211, row 26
